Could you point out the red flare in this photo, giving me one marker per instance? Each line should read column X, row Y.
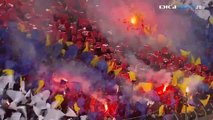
column 162, row 89
column 106, row 107
column 165, row 86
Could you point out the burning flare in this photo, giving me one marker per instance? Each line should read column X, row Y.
column 165, row 86
column 133, row 20
column 106, row 107
column 187, row 89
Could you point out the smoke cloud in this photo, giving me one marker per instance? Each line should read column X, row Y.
column 177, row 26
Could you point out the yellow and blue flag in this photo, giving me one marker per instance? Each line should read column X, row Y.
column 117, row 71
column 161, row 110
column 198, row 61
column 184, row 53
column 47, row 42
column 187, row 109
column 110, row 66
column 132, row 75
column 86, row 49
column 40, row 86
column 205, row 101
column 76, row 107
column 69, row 43
column 176, row 76
column 8, row 72
column 146, row 86
column 94, row 61
column 59, row 99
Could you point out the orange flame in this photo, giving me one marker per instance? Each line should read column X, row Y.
column 133, row 20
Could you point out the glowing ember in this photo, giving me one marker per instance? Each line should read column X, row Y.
column 106, row 107
column 165, row 86
column 133, row 20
